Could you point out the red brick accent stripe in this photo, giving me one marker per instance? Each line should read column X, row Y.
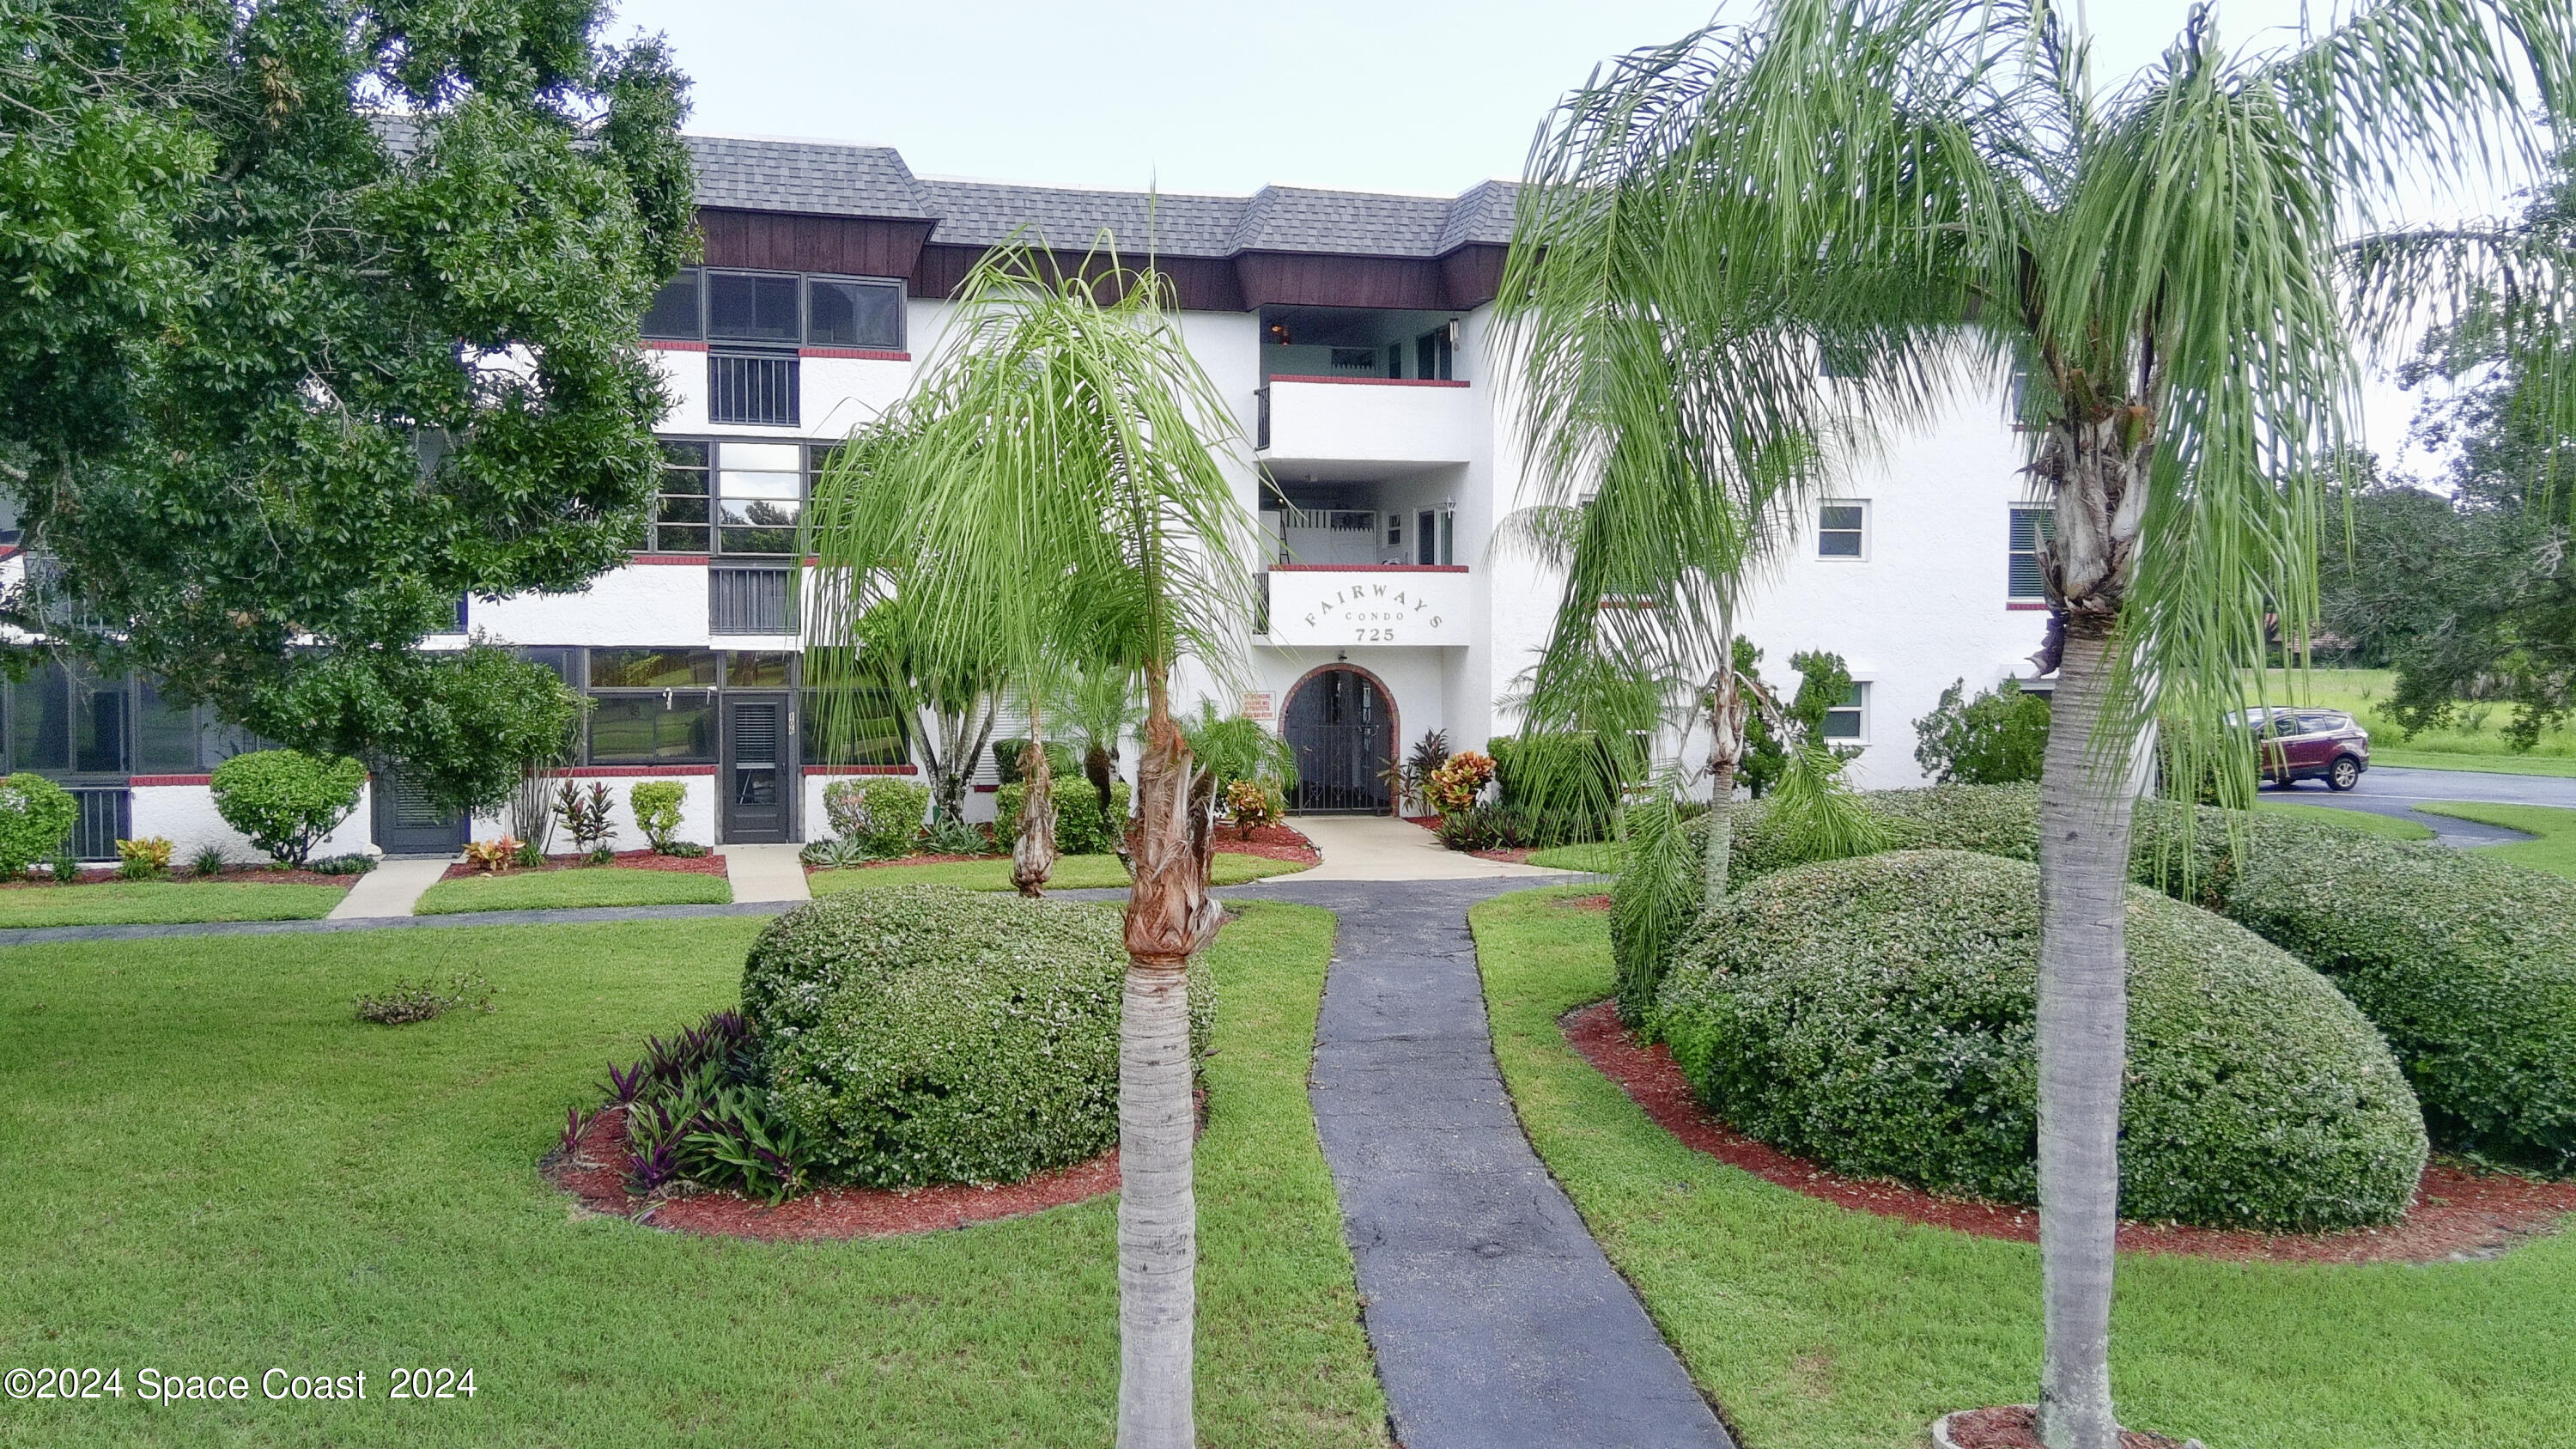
column 660, row 345
column 171, row 780
column 616, row 772
column 863, row 354
column 1368, row 568
column 862, row 769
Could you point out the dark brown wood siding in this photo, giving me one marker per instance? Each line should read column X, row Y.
column 1205, row 284
column 1472, row 275
column 791, row 242
column 1292, row 279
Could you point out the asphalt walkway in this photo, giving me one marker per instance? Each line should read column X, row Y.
column 1496, row 1319
column 2397, row 790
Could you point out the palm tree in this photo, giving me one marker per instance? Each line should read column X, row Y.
column 1049, row 496
column 1813, row 230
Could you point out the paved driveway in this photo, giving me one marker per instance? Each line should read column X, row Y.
column 2392, row 790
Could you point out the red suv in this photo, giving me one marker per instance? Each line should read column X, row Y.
column 2312, row 744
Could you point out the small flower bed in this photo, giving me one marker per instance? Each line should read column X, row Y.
column 709, row 864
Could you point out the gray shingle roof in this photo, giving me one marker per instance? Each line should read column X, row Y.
column 851, row 180
column 806, row 176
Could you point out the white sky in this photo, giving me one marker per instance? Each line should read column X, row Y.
column 1218, row 95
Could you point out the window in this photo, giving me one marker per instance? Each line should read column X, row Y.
column 652, row 669
column 1842, row 527
column 779, row 309
column 672, row 727
column 854, row 314
column 2031, row 526
column 1426, row 542
column 165, row 732
column 753, row 307
column 758, row 671
column 1394, row 529
column 674, row 312
column 868, row 730
column 1431, row 355
column 1848, row 722
column 758, row 389
column 735, row 498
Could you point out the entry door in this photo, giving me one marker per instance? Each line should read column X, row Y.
column 406, row 823
column 1337, row 721
column 756, row 768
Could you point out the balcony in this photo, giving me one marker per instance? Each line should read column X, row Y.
column 1366, row 420
column 1360, row 605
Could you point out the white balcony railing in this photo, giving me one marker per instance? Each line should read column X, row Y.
column 1368, row 420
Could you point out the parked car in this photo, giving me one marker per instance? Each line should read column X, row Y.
column 2311, row 744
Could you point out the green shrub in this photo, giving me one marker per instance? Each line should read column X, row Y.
column 1080, row 828
column 286, row 801
column 2467, row 965
column 880, row 812
column 1563, row 786
column 35, row 816
column 1876, row 1015
column 923, row 1034
column 1998, row 738
column 1062, row 762
column 656, row 804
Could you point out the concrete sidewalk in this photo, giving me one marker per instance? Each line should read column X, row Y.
column 1381, row 847
column 391, row 889
column 765, row 873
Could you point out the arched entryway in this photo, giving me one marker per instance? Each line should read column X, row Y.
column 1342, row 724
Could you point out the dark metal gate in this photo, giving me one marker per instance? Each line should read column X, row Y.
column 756, row 769
column 1340, row 725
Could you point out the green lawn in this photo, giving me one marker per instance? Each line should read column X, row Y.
column 214, row 1169
column 1595, row 856
column 593, row 885
column 2555, row 848
column 2473, row 741
column 2394, row 827
column 157, row 902
column 1823, row 1328
column 1073, row 872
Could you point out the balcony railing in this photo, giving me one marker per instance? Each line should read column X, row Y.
column 757, row 388
column 106, row 817
column 751, row 601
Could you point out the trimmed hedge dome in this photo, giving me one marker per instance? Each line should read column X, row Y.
column 1876, row 1015
column 927, row 1034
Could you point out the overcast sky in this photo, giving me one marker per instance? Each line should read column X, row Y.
column 1204, row 95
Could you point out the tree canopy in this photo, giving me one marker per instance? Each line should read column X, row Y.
column 322, row 315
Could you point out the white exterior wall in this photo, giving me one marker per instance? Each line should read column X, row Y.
column 185, row 816
column 697, row 808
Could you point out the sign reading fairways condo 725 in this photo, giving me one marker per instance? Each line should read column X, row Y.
column 1367, row 606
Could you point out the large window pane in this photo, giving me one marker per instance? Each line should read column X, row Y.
column 652, row 669
column 680, row 516
column 869, row 733
column 101, row 736
column 40, row 720
column 165, row 733
column 757, row 671
column 674, row 312
column 642, row 730
column 751, row 307
column 854, row 314
column 760, row 491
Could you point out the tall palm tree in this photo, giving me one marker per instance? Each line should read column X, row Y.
column 1050, row 494
column 1815, row 229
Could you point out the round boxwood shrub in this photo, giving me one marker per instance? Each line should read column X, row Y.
column 2467, row 965
column 926, row 1034
column 1080, row 827
column 1877, row 1015
column 286, row 801
column 36, row 815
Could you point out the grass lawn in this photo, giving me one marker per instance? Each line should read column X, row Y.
column 1823, row 1328
column 216, row 1170
column 1595, row 856
column 2473, row 741
column 1072, row 872
column 156, row 902
column 2555, row 849
column 2394, row 827
column 596, row 885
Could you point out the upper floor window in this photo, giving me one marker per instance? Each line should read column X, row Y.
column 1842, row 529
column 2032, row 526
column 785, row 309
column 1847, row 723
column 731, row 497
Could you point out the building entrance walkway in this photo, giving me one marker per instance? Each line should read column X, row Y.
column 764, row 873
column 1496, row 1320
column 391, row 889
column 1381, row 847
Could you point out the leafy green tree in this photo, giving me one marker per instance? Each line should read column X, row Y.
column 1813, row 230
column 1998, row 738
column 1048, row 497
column 322, row 315
column 2386, row 573
column 1823, row 682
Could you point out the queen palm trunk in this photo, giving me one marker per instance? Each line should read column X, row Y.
column 1726, row 722
column 1170, row 916
column 1033, row 838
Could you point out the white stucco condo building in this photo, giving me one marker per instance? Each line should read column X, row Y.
column 1347, row 331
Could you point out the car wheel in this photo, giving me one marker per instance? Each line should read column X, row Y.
column 2344, row 773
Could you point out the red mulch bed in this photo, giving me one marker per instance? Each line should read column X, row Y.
column 2457, row 1214
column 2017, row 1427
column 238, row 875
column 1518, row 856
column 708, row 864
column 591, row 1175
column 1270, row 842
